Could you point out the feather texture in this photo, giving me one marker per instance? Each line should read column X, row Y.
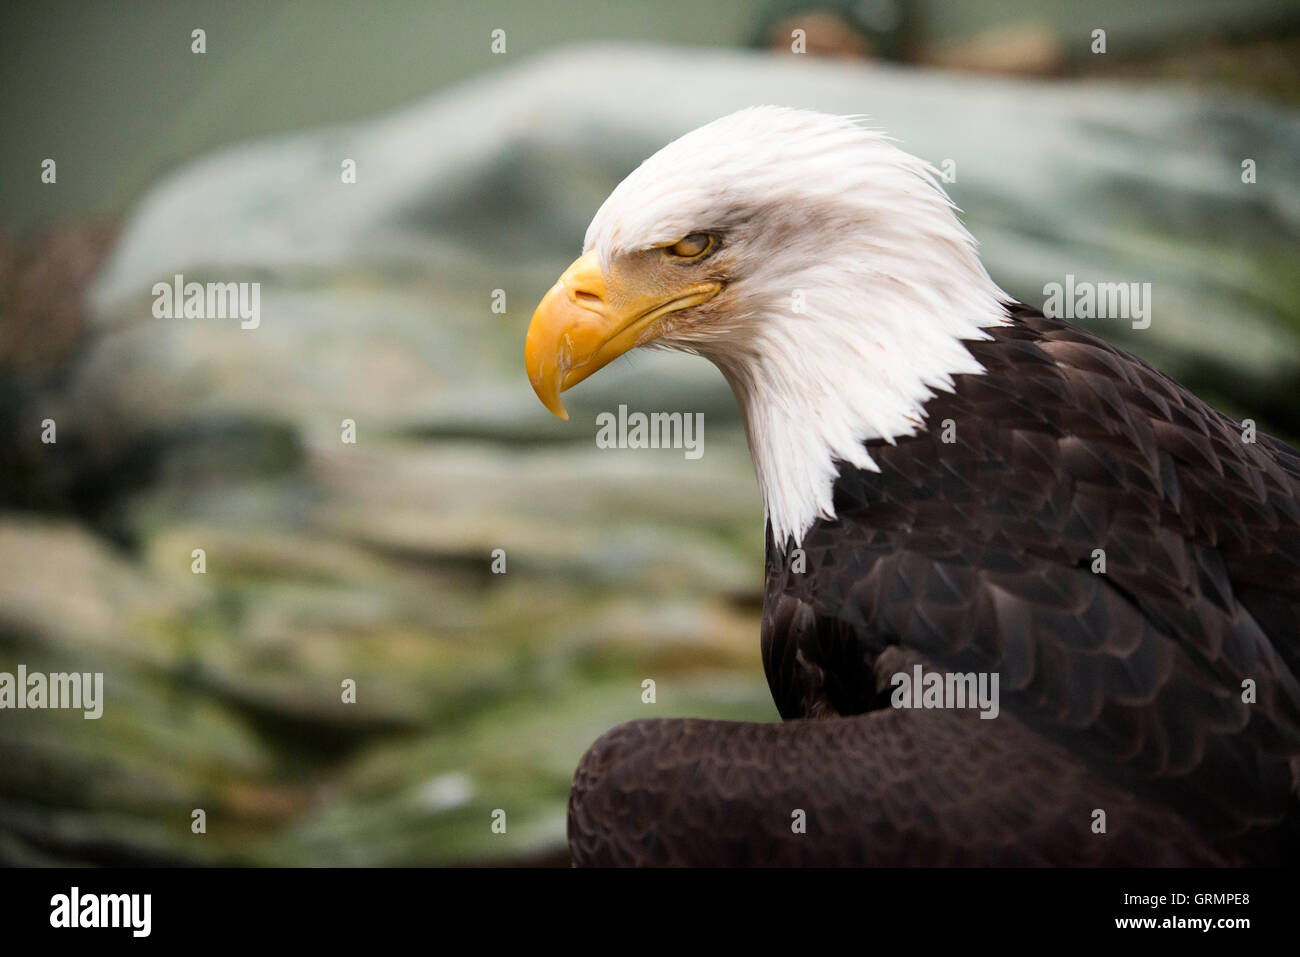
column 1120, row 691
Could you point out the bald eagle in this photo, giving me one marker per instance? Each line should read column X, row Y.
column 941, row 468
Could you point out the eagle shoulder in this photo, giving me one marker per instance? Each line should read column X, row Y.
column 1103, row 540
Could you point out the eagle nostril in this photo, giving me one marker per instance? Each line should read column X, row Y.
column 586, row 298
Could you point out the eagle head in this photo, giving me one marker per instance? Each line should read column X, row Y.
column 820, row 267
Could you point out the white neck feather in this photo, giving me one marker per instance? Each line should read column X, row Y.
column 859, row 364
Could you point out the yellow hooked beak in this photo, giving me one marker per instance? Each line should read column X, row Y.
column 581, row 325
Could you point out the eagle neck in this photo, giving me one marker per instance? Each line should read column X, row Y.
column 814, row 389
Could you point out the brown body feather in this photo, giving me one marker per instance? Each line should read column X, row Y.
column 1121, row 691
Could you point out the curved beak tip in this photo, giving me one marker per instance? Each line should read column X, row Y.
column 546, row 378
column 548, row 391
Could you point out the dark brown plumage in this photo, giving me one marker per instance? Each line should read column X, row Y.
column 1120, row 691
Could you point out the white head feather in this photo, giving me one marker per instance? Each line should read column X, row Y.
column 851, row 286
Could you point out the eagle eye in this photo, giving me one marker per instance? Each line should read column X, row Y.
column 691, row 247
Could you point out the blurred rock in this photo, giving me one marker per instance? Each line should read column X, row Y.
column 1024, row 48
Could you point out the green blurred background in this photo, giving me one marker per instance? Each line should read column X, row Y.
column 477, row 171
